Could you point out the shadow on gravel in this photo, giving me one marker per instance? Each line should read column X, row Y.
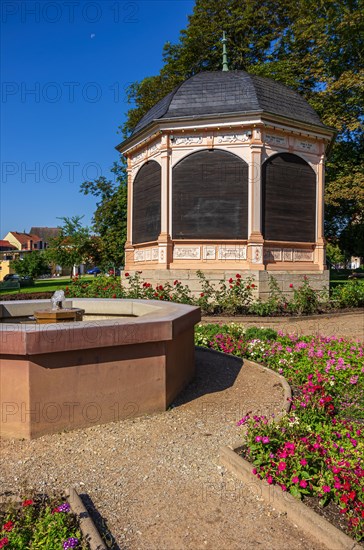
column 100, row 523
column 215, row 372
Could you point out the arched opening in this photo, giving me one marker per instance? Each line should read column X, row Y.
column 289, row 199
column 147, row 203
column 210, row 196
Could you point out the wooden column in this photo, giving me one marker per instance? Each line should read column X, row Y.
column 164, row 239
column 320, row 258
column 129, row 250
column 255, row 237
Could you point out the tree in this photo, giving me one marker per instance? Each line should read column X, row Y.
column 109, row 219
column 32, row 265
column 315, row 47
column 74, row 245
column 334, row 254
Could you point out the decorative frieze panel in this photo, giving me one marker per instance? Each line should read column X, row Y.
column 162, row 254
column 209, row 253
column 232, row 252
column 153, row 149
column 186, row 253
column 155, row 254
column 287, row 255
column 233, row 138
column 139, row 255
column 187, row 140
column 257, row 254
column 145, row 153
column 146, row 255
column 139, row 156
column 276, row 139
column 303, row 255
column 308, row 146
column 273, row 254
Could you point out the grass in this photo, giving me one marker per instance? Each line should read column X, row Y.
column 45, row 285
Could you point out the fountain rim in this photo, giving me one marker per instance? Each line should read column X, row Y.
column 156, row 321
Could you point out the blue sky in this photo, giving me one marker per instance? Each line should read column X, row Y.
column 64, row 69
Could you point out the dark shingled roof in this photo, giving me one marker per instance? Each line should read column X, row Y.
column 46, row 233
column 224, row 92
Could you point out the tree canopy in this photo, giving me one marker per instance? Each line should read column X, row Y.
column 74, row 245
column 33, row 264
column 312, row 46
column 315, row 47
column 109, row 219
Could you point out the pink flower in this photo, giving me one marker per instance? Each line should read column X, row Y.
column 270, row 480
column 303, row 462
column 3, row 542
column 282, row 466
column 303, row 483
column 326, row 489
column 291, row 285
column 295, row 480
column 258, row 438
column 254, row 471
column 265, row 439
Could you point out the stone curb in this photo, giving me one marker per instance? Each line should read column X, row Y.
column 87, row 526
column 278, row 319
column 303, row 517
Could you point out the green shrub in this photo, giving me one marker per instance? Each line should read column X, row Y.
column 99, row 287
column 350, row 294
column 232, row 297
column 305, row 299
column 256, row 333
column 274, row 305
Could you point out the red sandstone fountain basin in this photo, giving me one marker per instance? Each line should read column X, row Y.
column 133, row 360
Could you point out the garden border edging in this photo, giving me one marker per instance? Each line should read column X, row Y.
column 301, row 515
column 305, row 518
column 87, row 526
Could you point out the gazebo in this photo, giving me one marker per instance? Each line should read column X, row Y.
column 226, row 174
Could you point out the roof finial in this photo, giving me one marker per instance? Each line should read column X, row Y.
column 224, row 54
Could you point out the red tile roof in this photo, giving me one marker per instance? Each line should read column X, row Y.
column 24, row 238
column 6, row 244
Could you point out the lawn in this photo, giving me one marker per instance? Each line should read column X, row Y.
column 45, row 285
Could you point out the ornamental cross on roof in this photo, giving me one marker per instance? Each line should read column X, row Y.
column 224, row 54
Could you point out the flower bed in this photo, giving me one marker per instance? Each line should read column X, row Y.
column 40, row 523
column 232, row 297
column 317, row 449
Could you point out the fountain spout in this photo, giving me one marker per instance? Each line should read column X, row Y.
column 57, row 299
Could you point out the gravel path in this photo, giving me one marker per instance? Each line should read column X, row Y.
column 345, row 324
column 155, row 482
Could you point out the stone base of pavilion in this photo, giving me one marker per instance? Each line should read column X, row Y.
column 319, row 280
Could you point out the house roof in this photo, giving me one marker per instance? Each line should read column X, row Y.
column 24, row 238
column 45, row 233
column 6, row 244
column 230, row 92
